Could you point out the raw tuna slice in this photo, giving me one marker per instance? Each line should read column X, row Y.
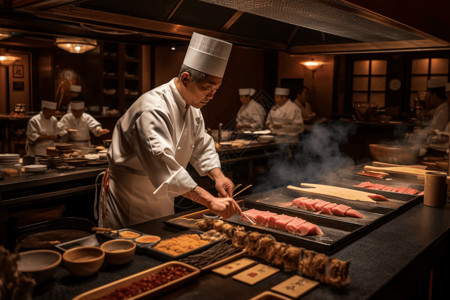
column 377, row 197
column 340, row 210
column 251, row 213
column 309, row 229
column 272, row 221
column 411, row 191
column 327, row 208
column 282, row 222
column 401, row 189
column 354, row 213
column 365, row 184
column 320, row 204
column 292, row 226
column 300, row 202
column 263, row 217
column 310, row 204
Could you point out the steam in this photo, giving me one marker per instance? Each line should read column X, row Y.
column 317, row 155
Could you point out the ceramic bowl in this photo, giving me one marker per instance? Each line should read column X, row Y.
column 41, row 264
column 83, row 261
column 118, row 252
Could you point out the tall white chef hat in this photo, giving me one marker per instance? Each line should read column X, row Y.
column 281, row 91
column 447, row 87
column 76, row 105
column 435, row 83
column 75, row 88
column 48, row 104
column 247, row 92
column 207, row 55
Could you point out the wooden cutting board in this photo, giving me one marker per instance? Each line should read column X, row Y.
column 383, row 164
column 334, row 191
column 418, row 173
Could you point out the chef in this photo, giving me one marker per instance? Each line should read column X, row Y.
column 251, row 115
column 437, row 102
column 43, row 130
column 159, row 135
column 77, row 124
column 285, row 117
column 302, row 102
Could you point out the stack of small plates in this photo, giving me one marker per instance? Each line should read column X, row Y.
column 8, row 160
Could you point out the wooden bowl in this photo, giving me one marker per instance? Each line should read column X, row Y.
column 118, row 252
column 77, row 162
column 394, row 154
column 83, row 261
column 41, row 264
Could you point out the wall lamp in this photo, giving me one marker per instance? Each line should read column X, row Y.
column 312, row 65
column 5, row 35
column 76, row 45
column 7, row 59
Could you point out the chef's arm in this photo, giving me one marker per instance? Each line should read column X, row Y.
column 46, row 137
column 224, row 207
column 223, row 184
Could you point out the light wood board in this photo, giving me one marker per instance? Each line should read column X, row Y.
column 334, row 191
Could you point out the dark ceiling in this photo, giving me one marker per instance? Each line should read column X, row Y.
column 294, row 26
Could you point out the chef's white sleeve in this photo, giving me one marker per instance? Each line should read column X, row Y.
column 156, row 152
column 204, row 157
column 33, row 130
column 93, row 124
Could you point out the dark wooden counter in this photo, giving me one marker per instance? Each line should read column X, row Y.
column 391, row 262
column 74, row 189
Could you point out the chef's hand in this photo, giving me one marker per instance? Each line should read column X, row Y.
column 103, row 131
column 224, row 207
column 223, row 184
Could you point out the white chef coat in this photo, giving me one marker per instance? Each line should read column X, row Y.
column 83, row 125
column 151, row 146
column 307, row 112
column 38, row 125
column 288, row 116
column 440, row 117
column 252, row 114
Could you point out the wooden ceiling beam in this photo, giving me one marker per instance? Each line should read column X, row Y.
column 174, row 10
column 394, row 46
column 232, row 20
column 156, row 28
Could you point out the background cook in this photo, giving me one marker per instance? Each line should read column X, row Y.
column 43, row 130
column 159, row 135
column 77, row 123
column 285, row 117
column 251, row 115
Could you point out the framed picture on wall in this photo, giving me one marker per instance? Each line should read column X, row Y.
column 18, row 71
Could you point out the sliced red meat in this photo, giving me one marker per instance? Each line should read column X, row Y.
column 310, row 204
column 327, row 208
column 263, row 217
column 300, row 202
column 320, row 204
column 365, row 184
column 402, row 189
column 294, row 224
column 377, row 197
column 411, row 191
column 251, row 213
column 271, row 222
column 308, row 228
column 354, row 213
column 340, row 210
column 282, row 222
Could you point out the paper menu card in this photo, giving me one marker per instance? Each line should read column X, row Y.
column 295, row 286
column 234, row 266
column 255, row 274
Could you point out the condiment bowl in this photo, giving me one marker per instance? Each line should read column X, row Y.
column 39, row 263
column 118, row 252
column 83, row 261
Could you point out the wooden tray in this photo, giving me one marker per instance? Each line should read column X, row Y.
column 108, row 288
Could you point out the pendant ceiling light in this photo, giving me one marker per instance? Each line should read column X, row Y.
column 5, row 35
column 312, row 65
column 7, row 59
column 76, row 45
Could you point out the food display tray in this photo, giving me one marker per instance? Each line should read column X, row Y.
column 167, row 257
column 127, row 281
column 140, row 247
column 337, row 231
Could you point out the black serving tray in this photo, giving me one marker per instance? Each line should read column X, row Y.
column 338, row 231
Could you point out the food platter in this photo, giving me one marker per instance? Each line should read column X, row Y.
column 337, row 230
column 128, row 281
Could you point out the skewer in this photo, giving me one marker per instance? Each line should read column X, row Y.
column 243, row 213
column 235, row 188
column 248, row 186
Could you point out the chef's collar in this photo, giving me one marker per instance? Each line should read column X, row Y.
column 179, row 100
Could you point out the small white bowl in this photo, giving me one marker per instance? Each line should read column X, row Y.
column 35, row 168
